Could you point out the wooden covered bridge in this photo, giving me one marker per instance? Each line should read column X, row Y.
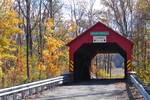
column 97, row 39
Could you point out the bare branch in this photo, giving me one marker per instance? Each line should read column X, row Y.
column 19, row 4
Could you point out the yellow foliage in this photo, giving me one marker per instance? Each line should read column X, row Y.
column 50, row 25
column 144, row 8
column 1, row 63
column 52, row 43
column 51, row 55
column 41, row 67
column 72, row 27
column 9, row 22
column 102, row 73
column 144, row 74
column 1, row 73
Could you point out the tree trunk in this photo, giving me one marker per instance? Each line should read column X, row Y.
column 28, row 36
column 40, row 33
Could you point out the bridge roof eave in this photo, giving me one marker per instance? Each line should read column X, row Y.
column 97, row 25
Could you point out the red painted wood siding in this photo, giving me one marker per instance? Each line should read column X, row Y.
column 113, row 36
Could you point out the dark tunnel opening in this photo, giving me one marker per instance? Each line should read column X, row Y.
column 84, row 55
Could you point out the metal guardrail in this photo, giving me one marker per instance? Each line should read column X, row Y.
column 32, row 88
column 140, row 88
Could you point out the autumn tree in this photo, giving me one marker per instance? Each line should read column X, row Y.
column 9, row 21
column 141, row 39
column 121, row 15
column 83, row 14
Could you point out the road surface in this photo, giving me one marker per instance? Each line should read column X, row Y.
column 90, row 90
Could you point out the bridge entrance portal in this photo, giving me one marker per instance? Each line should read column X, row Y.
column 99, row 39
column 85, row 54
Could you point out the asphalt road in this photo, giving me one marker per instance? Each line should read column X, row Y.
column 89, row 90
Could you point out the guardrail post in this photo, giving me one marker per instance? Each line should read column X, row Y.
column 48, row 87
column 23, row 94
column 30, row 92
column 42, row 88
column 36, row 90
column 14, row 96
column 4, row 97
column 52, row 86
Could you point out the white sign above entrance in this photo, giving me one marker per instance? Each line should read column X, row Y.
column 99, row 39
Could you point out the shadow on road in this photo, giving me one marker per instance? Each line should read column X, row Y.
column 97, row 82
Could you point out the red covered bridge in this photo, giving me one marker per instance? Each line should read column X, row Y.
column 97, row 39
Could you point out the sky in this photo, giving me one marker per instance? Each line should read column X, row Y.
column 66, row 10
column 96, row 5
